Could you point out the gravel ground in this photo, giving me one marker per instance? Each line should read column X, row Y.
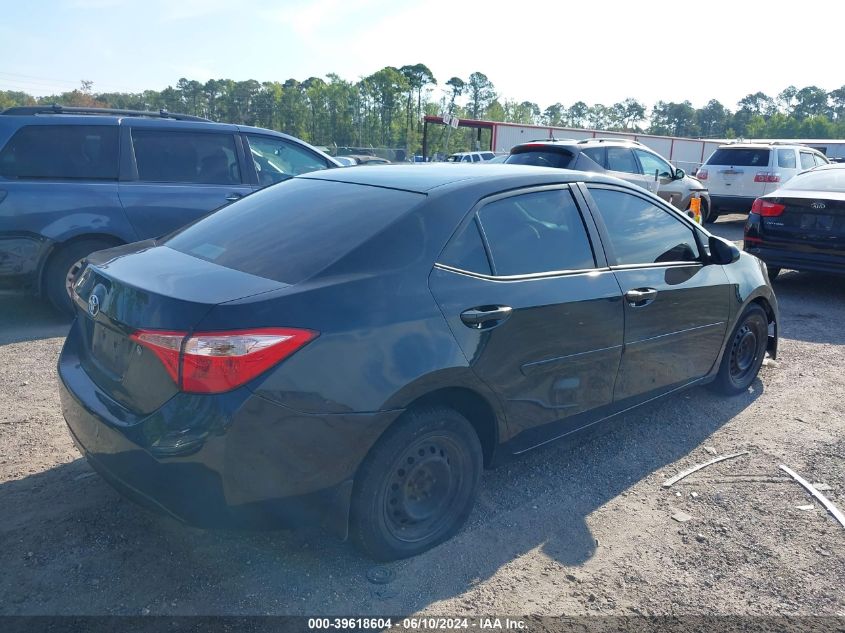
column 574, row 530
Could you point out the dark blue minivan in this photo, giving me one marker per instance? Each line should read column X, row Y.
column 78, row 180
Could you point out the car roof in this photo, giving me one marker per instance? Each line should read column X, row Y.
column 767, row 146
column 428, row 177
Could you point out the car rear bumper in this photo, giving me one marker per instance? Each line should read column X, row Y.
column 796, row 260
column 233, row 460
column 732, row 203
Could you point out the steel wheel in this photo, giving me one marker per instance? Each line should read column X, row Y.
column 422, row 488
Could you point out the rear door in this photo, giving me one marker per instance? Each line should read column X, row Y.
column 676, row 307
column 535, row 309
column 739, row 171
column 172, row 175
column 622, row 163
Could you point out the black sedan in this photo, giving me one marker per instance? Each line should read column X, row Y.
column 801, row 225
column 351, row 348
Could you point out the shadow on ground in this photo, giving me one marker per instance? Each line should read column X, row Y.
column 24, row 318
column 73, row 546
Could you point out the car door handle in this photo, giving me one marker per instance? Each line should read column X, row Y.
column 485, row 316
column 640, row 297
column 234, row 196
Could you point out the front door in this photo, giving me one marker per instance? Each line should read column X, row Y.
column 540, row 319
column 676, row 305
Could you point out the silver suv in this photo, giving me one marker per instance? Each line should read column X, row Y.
column 628, row 160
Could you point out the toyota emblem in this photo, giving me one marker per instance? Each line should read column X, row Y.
column 93, row 305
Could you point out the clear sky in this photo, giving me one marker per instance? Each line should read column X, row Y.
column 540, row 51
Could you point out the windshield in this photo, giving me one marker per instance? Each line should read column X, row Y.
column 822, row 180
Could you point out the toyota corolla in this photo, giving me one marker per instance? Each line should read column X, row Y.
column 351, row 348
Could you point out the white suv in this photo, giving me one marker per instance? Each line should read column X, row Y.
column 739, row 173
column 470, row 157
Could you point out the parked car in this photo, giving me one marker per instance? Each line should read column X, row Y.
column 470, row 157
column 366, row 159
column 738, row 173
column 628, row 160
column 801, row 225
column 77, row 180
column 340, row 348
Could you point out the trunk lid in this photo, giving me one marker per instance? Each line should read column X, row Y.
column 812, row 221
column 144, row 286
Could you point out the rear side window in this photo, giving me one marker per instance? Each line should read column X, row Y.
column 536, row 233
column 740, row 157
column 596, row 154
column 466, row 251
column 643, row 233
column 487, row 155
column 621, row 159
column 541, row 158
column 61, row 151
column 295, row 229
column 820, row 160
column 182, row 156
column 786, row 158
column 807, row 161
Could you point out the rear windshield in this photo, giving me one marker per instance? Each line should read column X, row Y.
column 292, row 230
column 821, row 180
column 541, row 158
column 740, row 157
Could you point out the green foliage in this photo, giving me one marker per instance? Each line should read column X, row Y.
column 385, row 109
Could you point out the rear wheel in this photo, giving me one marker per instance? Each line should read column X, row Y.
column 744, row 353
column 63, row 268
column 417, row 486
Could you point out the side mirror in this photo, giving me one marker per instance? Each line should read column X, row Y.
column 722, row 252
column 679, row 174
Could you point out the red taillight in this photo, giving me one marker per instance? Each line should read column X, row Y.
column 765, row 176
column 701, row 174
column 214, row 362
column 766, row 208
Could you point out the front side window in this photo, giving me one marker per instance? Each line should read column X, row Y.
column 643, row 233
column 536, row 233
column 276, row 159
column 786, row 158
column 807, row 161
column 164, row 155
column 61, row 152
column 651, row 163
column 621, row 159
column 820, row 160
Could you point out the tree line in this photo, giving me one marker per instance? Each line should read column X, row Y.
column 385, row 109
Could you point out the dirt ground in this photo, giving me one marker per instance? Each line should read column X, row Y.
column 573, row 530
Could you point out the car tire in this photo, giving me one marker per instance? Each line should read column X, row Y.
column 744, row 352
column 773, row 271
column 63, row 266
column 417, row 486
column 711, row 215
